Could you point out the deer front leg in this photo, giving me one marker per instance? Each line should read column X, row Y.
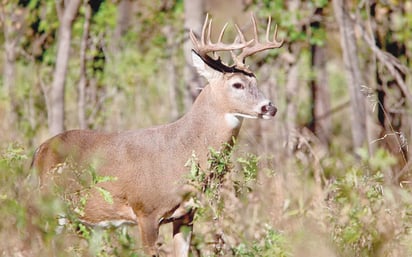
column 149, row 231
column 182, row 233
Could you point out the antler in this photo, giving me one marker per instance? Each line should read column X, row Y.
column 206, row 46
column 249, row 50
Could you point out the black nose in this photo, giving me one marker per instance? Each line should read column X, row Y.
column 269, row 109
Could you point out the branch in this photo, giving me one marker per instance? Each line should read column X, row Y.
column 98, row 106
column 59, row 9
column 394, row 66
column 46, row 92
column 334, row 110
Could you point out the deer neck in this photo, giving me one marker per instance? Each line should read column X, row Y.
column 208, row 124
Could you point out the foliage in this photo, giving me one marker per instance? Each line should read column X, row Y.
column 209, row 182
column 363, row 215
column 37, row 220
column 272, row 244
column 212, row 183
column 223, row 182
column 368, row 215
column 355, row 210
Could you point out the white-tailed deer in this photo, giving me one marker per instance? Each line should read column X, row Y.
column 149, row 164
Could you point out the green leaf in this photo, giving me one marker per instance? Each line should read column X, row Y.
column 84, row 231
column 106, row 194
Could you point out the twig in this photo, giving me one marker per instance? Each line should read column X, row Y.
column 59, row 9
column 404, row 170
column 334, row 110
column 394, row 66
column 400, row 139
column 98, row 106
column 46, row 92
column 397, row 134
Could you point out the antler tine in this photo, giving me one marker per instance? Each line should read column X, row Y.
column 194, row 39
column 240, row 34
column 255, row 29
column 209, row 31
column 268, row 29
column 202, row 38
column 275, row 35
column 221, row 33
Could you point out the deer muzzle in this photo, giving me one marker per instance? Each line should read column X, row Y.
column 268, row 111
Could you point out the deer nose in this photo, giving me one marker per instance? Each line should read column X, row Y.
column 269, row 109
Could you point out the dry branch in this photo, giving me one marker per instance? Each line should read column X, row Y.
column 394, row 66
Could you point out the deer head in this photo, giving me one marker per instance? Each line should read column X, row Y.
column 235, row 85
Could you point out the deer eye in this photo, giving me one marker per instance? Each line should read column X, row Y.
column 238, row 86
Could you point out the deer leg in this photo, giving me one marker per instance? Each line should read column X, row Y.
column 182, row 233
column 149, row 231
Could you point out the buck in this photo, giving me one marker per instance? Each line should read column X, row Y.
column 149, row 164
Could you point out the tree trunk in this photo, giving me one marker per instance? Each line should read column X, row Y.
column 193, row 10
column 56, row 114
column 321, row 121
column 124, row 12
column 81, row 101
column 11, row 18
column 353, row 75
column 172, row 72
column 292, row 86
column 9, row 75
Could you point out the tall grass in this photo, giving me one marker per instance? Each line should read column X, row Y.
column 244, row 209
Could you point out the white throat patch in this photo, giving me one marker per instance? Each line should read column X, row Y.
column 233, row 121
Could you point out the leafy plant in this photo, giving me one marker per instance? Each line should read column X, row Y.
column 273, row 244
column 366, row 213
column 209, row 182
column 220, row 186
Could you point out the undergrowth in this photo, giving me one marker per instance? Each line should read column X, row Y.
column 359, row 213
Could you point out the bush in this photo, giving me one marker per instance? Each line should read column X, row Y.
column 361, row 215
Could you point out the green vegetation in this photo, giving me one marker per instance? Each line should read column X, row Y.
column 355, row 214
column 281, row 191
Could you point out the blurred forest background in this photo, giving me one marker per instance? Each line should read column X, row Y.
column 330, row 175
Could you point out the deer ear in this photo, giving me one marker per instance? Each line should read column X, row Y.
column 203, row 69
